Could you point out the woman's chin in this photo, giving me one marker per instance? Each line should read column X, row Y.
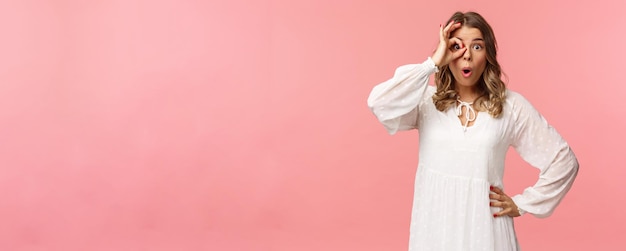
column 465, row 83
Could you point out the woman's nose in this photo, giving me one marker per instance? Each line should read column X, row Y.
column 467, row 55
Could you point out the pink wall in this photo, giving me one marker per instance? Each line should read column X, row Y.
column 242, row 125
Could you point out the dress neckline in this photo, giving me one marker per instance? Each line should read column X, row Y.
column 471, row 115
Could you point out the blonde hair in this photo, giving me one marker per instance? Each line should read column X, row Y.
column 491, row 88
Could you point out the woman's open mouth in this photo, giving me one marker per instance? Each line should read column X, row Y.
column 467, row 72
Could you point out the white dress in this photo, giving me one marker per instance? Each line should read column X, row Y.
column 457, row 164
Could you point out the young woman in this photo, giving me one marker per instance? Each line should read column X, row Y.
column 466, row 125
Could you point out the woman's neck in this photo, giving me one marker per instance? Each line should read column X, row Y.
column 467, row 93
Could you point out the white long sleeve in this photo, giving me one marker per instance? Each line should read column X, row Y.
column 395, row 102
column 541, row 146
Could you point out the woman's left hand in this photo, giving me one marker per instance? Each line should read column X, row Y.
column 500, row 199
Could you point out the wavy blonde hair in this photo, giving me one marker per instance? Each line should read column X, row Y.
column 491, row 88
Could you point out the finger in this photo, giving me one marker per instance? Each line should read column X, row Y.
column 453, row 43
column 499, row 197
column 498, row 204
column 441, row 34
column 445, row 28
column 503, row 212
column 454, row 40
column 451, row 26
column 498, row 214
column 496, row 190
column 457, row 53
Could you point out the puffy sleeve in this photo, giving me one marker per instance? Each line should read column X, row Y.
column 395, row 102
column 541, row 146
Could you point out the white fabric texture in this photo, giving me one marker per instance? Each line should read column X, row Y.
column 457, row 164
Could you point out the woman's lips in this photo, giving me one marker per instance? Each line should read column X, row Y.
column 466, row 72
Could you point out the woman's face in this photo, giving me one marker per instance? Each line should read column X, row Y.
column 468, row 69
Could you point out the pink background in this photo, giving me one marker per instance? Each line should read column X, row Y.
column 243, row 125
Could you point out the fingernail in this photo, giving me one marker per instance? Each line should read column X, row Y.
column 495, row 215
column 490, row 187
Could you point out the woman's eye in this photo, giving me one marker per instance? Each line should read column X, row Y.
column 456, row 47
column 477, row 47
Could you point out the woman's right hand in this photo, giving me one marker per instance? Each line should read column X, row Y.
column 448, row 48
